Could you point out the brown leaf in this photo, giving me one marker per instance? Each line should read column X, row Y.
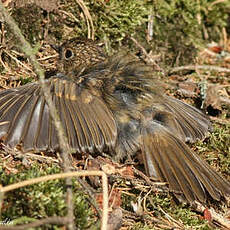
column 188, row 89
column 109, row 169
column 126, row 171
column 115, row 198
column 47, row 5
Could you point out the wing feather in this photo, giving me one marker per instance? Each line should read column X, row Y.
column 25, row 118
column 189, row 123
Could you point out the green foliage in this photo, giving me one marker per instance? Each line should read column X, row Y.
column 221, row 135
column 189, row 218
column 180, row 26
column 163, row 204
column 115, row 19
column 43, row 199
column 217, row 148
column 160, row 205
column 24, row 81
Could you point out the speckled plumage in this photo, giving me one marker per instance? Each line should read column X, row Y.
column 114, row 105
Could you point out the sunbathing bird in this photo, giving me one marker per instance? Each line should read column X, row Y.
column 113, row 105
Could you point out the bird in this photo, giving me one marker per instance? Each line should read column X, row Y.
column 114, row 105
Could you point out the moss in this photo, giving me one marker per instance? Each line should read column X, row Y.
column 117, row 19
column 164, row 210
column 24, row 81
column 43, row 199
column 216, row 149
column 30, row 20
column 179, row 27
column 189, row 218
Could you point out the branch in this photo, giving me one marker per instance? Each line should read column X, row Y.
column 194, row 67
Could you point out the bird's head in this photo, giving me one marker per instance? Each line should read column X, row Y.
column 77, row 54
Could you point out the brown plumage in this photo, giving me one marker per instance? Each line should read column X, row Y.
column 114, row 106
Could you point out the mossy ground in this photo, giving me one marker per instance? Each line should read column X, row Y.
column 181, row 31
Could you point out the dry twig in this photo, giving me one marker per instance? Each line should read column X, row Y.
column 88, row 17
column 204, row 67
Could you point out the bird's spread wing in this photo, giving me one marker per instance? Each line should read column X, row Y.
column 25, row 118
column 169, row 160
column 181, row 119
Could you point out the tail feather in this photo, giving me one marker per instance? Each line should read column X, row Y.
column 168, row 159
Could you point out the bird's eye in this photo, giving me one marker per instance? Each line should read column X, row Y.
column 68, row 54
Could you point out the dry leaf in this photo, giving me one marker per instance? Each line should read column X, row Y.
column 126, row 171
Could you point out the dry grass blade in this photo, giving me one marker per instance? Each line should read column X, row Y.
column 88, row 17
column 204, row 67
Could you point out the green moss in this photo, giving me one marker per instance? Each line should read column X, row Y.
column 117, row 19
column 179, row 26
column 161, row 206
column 24, row 81
column 42, row 200
column 189, row 218
column 216, row 149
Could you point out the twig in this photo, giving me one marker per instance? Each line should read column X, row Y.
column 216, row 2
column 66, row 175
column 142, row 49
column 37, row 223
column 30, row 53
column 17, row 61
column 155, row 186
column 88, row 190
column 88, row 17
column 150, row 27
column 194, row 67
column 147, row 55
column 17, row 154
